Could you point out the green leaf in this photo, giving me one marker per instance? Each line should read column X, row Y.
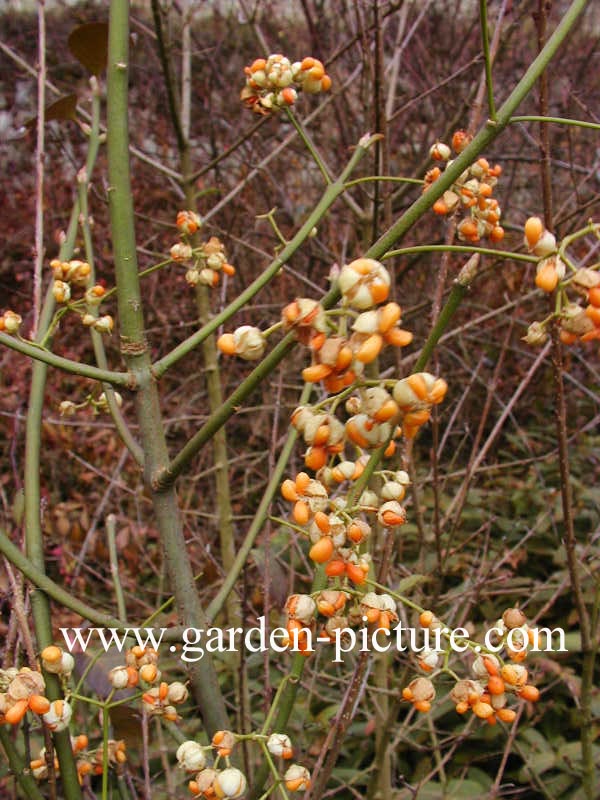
column 538, row 763
column 89, row 44
column 480, row 777
column 408, row 583
column 326, row 714
column 569, row 754
column 468, row 788
column 535, row 741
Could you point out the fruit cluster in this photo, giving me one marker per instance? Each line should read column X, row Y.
column 205, row 262
column 274, row 82
column 496, row 677
column 22, row 690
column 342, row 341
column 472, row 192
column 88, row 762
column 342, row 609
column 229, row 782
column 69, row 275
column 555, row 273
column 160, row 698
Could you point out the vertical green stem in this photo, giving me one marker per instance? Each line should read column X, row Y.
column 135, row 352
column 114, row 565
column 383, row 765
column 18, row 767
column 34, row 544
column 97, row 342
column 485, row 40
column 105, row 735
column 182, row 124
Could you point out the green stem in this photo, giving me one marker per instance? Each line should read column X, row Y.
column 455, row 298
column 286, row 699
column 485, row 39
column 94, row 136
column 459, row 248
column 274, row 772
column 383, row 765
column 310, row 146
column 588, row 646
column 557, row 120
column 134, row 349
column 258, row 522
column 170, row 85
column 34, row 540
column 105, row 734
column 142, row 274
column 46, row 357
column 265, row 728
column 213, row 378
column 219, row 417
column 388, row 178
column 97, row 340
column 270, row 217
column 18, row 767
column 44, row 584
column 114, row 565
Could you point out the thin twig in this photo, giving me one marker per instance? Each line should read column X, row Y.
column 39, row 169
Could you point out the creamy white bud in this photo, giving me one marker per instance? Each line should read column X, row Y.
column 279, row 744
column 190, row 756
column 545, row 245
column 230, row 783
column 59, row 715
column 118, row 677
column 249, row 343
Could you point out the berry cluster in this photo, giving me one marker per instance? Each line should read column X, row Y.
column 22, row 690
column 496, row 676
column 160, row 698
column 342, row 341
column 140, row 669
column 69, row 275
column 229, row 782
column 472, row 191
column 555, row 272
column 274, row 82
column 205, row 262
column 88, row 762
column 342, row 609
